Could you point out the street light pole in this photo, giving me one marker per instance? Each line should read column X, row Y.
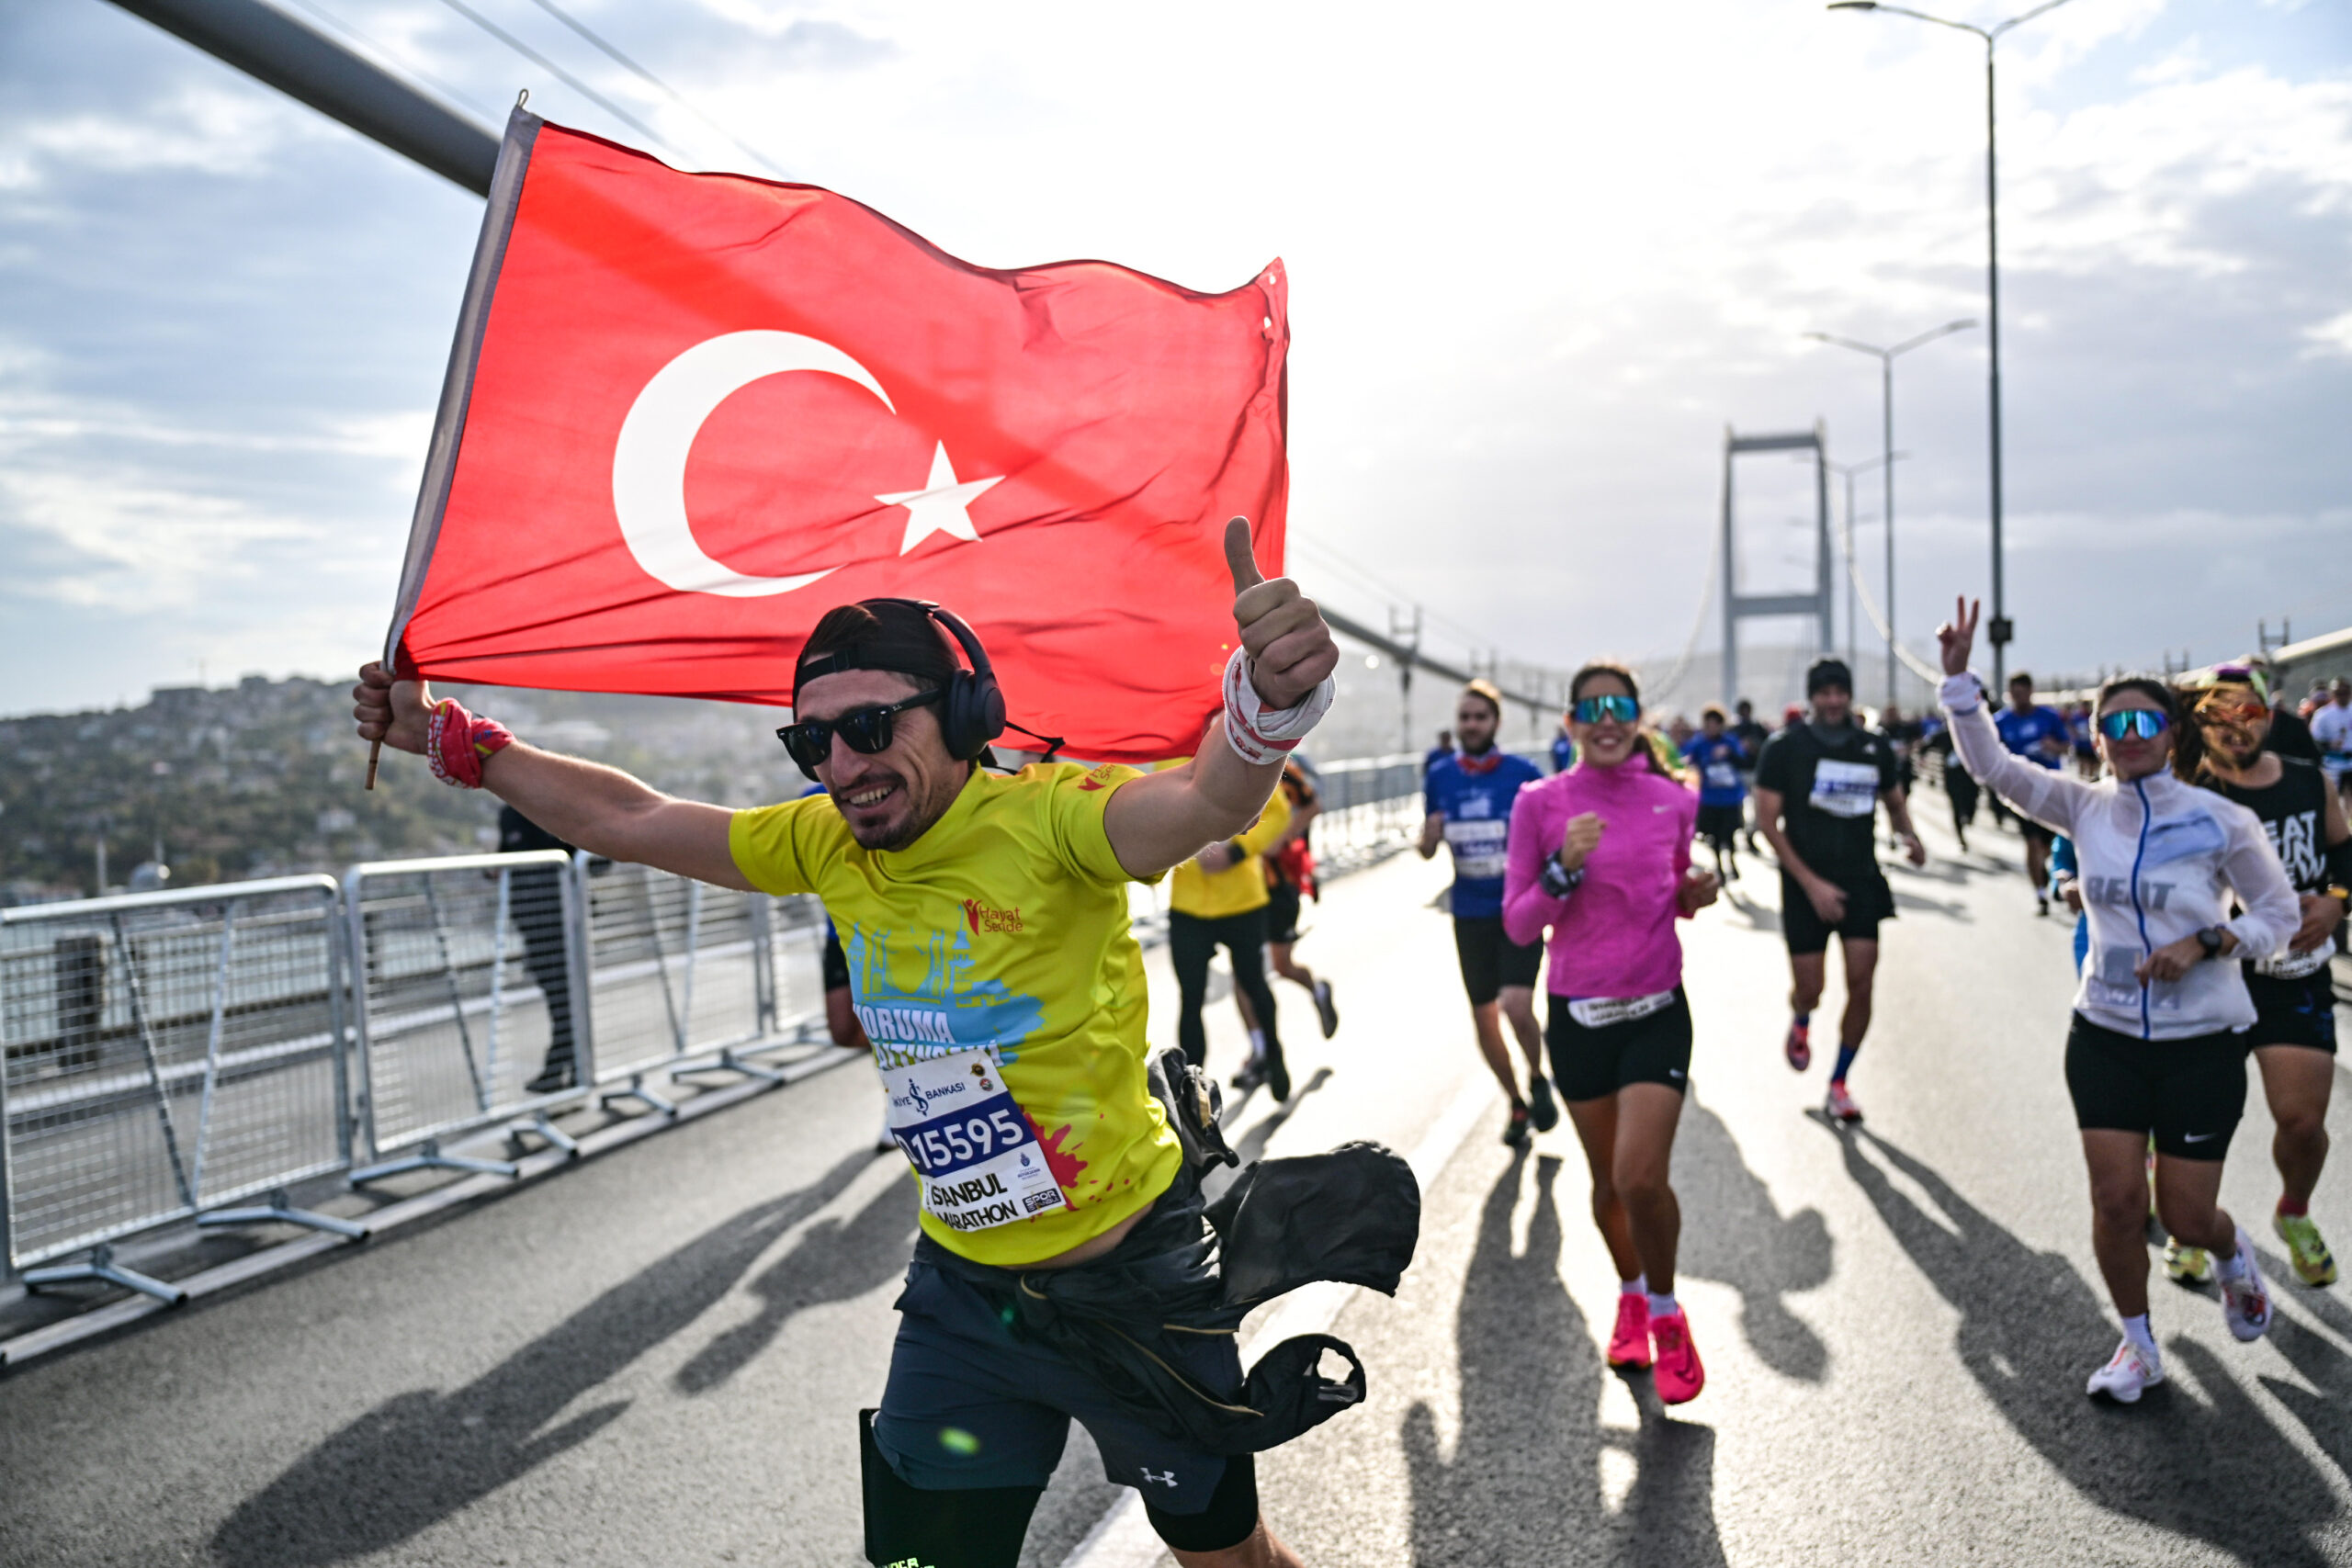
column 1850, row 472
column 1999, row 631
column 1887, row 357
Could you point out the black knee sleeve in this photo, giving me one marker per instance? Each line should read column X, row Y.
column 1226, row 1523
column 907, row 1526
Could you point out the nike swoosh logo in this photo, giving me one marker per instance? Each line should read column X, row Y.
column 1674, row 1072
column 2197, row 1137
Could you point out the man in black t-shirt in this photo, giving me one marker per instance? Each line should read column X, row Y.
column 1818, row 785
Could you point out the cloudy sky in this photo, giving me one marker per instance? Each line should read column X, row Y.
column 1541, row 256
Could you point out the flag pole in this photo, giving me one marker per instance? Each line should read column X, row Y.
column 374, row 750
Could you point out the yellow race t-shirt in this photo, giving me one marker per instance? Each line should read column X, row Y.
column 993, row 968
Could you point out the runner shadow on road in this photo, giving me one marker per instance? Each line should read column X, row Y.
column 421, row 1457
column 1733, row 1233
column 1524, row 1481
column 2213, row 1469
column 833, row 1260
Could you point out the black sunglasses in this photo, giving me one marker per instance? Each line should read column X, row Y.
column 865, row 730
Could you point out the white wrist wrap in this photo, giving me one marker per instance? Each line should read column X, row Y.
column 1257, row 736
column 1960, row 693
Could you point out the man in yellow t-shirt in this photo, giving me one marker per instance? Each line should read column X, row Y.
column 984, row 921
column 1216, row 900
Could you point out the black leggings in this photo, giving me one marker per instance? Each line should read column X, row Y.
column 1191, row 942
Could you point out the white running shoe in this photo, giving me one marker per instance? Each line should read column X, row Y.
column 2245, row 1300
column 2128, row 1373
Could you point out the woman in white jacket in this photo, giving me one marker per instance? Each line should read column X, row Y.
column 2157, row 1046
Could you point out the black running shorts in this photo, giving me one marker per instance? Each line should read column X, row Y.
column 1593, row 1063
column 2035, row 833
column 1491, row 960
column 969, row 1405
column 835, row 964
column 1717, row 824
column 1282, row 914
column 1867, row 904
column 2188, row 1093
column 2293, row 1012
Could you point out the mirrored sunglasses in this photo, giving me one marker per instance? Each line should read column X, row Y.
column 2145, row 724
column 1592, row 710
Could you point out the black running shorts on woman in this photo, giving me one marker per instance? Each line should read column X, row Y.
column 2188, row 1093
column 1591, row 1063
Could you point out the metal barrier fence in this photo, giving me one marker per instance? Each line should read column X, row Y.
column 679, row 970
column 168, row 1056
column 1371, row 807
column 468, row 1002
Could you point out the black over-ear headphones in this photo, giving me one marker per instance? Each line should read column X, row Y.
column 971, row 711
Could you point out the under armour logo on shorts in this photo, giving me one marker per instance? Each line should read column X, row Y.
column 1166, row 1478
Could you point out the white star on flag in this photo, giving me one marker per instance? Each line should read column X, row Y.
column 941, row 506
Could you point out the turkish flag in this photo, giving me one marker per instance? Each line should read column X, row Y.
column 686, row 414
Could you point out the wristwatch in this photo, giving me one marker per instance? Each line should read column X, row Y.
column 1558, row 880
column 2210, row 938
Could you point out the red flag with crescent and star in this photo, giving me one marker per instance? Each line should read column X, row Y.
column 686, row 414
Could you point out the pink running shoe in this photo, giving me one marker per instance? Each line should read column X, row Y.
column 1630, row 1346
column 1799, row 1046
column 1679, row 1374
column 1840, row 1106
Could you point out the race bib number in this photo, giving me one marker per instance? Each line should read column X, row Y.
column 2285, row 966
column 1479, row 850
column 1599, row 1012
column 2112, row 977
column 961, row 1129
column 1721, row 776
column 1845, row 789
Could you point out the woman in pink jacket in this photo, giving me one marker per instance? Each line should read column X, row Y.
column 1602, row 855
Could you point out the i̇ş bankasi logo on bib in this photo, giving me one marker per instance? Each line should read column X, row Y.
column 685, row 414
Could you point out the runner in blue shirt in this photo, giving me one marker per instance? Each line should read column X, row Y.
column 1721, row 763
column 2039, row 734
column 1470, row 796
column 1564, row 750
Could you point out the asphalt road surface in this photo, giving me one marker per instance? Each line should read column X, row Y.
column 656, row 1357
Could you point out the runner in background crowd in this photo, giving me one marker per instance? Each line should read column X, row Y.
column 1751, row 737
column 2294, row 996
column 1290, row 875
column 2331, row 732
column 2039, row 735
column 2156, row 1043
column 1818, row 786
column 1600, row 856
column 1469, row 801
column 2078, row 737
column 1219, row 898
column 1904, row 735
column 1722, row 767
column 1439, row 752
column 1564, row 750
column 1959, row 789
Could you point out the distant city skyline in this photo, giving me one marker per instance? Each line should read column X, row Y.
column 1539, row 262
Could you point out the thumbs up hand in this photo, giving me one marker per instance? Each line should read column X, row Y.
column 1289, row 647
